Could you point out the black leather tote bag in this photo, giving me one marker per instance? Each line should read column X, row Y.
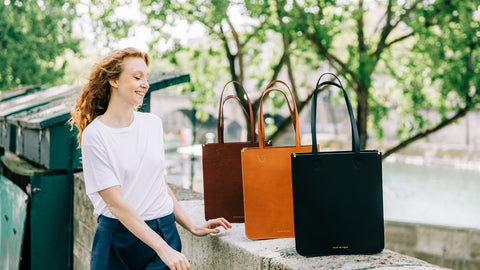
column 337, row 196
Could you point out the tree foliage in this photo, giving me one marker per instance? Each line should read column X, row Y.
column 425, row 52
column 244, row 38
column 441, row 71
column 330, row 26
column 33, row 34
column 227, row 39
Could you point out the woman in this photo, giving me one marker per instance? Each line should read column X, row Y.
column 123, row 164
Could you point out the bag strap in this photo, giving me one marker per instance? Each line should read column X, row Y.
column 294, row 115
column 220, row 127
column 291, row 93
column 353, row 124
column 223, row 105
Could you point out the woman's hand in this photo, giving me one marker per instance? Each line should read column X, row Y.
column 173, row 259
column 184, row 220
column 211, row 226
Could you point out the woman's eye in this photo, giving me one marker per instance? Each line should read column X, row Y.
column 137, row 78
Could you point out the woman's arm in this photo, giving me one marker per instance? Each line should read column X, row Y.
column 135, row 224
column 184, row 220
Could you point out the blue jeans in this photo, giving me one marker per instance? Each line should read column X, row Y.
column 115, row 247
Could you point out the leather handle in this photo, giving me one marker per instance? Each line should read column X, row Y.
column 291, row 93
column 294, row 115
column 220, row 112
column 353, row 124
column 223, row 105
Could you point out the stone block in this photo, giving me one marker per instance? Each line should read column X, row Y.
column 84, row 223
column 428, row 257
column 85, row 235
column 233, row 250
column 81, row 258
column 400, row 236
column 455, row 263
column 210, row 252
column 443, row 241
column 475, row 245
column 472, row 265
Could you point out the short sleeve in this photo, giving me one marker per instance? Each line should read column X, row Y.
column 98, row 173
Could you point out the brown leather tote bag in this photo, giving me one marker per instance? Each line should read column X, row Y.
column 222, row 171
column 267, row 182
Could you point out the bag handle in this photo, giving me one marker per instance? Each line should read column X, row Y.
column 353, row 124
column 261, row 127
column 220, row 112
column 286, row 85
column 223, row 105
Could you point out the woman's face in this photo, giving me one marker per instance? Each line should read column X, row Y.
column 132, row 83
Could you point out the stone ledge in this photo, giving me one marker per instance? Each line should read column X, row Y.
column 452, row 247
column 233, row 250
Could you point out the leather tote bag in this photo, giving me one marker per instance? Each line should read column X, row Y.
column 222, row 171
column 337, row 196
column 267, row 182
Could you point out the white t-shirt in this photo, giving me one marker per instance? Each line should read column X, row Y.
column 132, row 157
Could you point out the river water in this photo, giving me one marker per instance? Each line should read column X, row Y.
column 430, row 194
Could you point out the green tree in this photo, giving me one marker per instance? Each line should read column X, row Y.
column 441, row 71
column 33, row 36
column 252, row 50
column 330, row 27
column 428, row 50
column 257, row 47
column 239, row 43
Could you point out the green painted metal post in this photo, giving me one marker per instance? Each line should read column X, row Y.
column 13, row 209
column 50, row 221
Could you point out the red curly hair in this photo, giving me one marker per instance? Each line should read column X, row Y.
column 93, row 101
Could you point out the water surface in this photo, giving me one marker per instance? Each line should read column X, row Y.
column 429, row 194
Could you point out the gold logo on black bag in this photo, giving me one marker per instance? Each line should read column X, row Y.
column 340, row 247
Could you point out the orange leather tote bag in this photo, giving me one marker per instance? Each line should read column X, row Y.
column 222, row 171
column 267, row 182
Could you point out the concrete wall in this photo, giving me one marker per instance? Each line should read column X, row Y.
column 233, row 250
column 84, row 223
column 455, row 248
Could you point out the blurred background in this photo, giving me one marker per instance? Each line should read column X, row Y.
column 410, row 67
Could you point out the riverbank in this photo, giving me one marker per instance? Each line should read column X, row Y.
column 452, row 156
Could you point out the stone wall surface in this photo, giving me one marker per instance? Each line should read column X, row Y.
column 84, row 223
column 233, row 250
column 456, row 248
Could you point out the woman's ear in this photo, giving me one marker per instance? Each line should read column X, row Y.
column 113, row 83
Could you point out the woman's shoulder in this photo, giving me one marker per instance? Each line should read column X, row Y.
column 91, row 132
